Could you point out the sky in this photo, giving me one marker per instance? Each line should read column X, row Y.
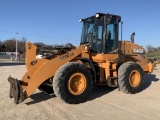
column 57, row 21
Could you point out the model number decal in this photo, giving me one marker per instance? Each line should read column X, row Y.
column 67, row 55
column 138, row 50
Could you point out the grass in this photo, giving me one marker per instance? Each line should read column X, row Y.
column 155, row 54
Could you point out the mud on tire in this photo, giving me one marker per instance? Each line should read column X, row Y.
column 72, row 83
column 130, row 77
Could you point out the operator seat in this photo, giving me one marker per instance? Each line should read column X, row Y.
column 109, row 42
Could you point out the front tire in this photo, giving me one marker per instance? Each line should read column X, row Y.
column 130, row 77
column 72, row 83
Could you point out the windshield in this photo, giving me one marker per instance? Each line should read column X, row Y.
column 92, row 33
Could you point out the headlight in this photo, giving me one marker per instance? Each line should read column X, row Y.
column 81, row 20
column 85, row 47
column 97, row 15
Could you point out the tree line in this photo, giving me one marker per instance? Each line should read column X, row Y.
column 151, row 48
column 10, row 45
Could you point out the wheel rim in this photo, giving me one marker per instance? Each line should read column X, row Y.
column 134, row 78
column 77, row 83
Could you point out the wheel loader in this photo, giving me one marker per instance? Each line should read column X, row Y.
column 100, row 59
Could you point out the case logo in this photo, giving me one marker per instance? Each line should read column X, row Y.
column 138, row 50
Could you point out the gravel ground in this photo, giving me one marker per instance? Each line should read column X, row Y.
column 104, row 103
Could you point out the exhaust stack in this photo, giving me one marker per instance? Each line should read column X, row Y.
column 132, row 37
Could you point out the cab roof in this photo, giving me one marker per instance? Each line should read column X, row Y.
column 107, row 15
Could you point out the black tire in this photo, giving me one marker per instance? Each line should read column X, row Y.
column 44, row 87
column 125, row 78
column 62, row 83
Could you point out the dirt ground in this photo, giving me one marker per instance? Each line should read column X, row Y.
column 104, row 103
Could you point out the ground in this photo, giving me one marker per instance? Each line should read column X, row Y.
column 104, row 103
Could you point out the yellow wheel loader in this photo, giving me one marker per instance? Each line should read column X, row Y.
column 101, row 59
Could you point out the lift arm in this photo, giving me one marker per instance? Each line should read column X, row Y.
column 38, row 70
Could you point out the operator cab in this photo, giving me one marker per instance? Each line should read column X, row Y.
column 101, row 32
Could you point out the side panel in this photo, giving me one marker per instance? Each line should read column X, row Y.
column 135, row 53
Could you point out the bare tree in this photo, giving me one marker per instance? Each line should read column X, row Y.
column 150, row 48
column 10, row 45
column 39, row 45
column 158, row 48
column 1, row 48
column 21, row 45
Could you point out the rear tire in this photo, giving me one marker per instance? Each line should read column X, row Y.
column 130, row 77
column 72, row 83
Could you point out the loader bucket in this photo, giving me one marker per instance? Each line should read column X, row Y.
column 16, row 91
